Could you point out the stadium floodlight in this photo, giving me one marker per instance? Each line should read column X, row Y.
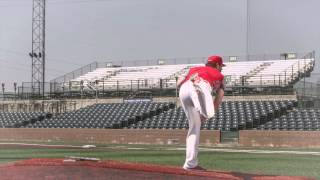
column 161, row 62
column 33, row 54
column 233, row 58
column 289, row 55
column 109, row 64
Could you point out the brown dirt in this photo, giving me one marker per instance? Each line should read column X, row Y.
column 49, row 169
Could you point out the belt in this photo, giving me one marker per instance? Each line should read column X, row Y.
column 197, row 79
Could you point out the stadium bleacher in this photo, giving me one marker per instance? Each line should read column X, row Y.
column 113, row 116
column 19, row 119
column 231, row 116
column 248, row 73
column 280, row 72
column 298, row 119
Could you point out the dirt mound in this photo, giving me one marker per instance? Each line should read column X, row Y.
column 48, row 169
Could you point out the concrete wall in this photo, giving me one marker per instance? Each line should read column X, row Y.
column 296, row 139
column 247, row 138
column 105, row 136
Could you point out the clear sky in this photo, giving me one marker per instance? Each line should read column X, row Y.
column 83, row 31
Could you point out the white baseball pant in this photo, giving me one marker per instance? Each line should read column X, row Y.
column 195, row 99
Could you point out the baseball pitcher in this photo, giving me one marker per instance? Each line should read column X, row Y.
column 197, row 102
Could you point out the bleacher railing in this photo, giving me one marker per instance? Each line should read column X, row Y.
column 170, row 61
column 64, row 86
column 157, row 86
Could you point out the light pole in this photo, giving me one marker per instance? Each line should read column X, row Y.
column 177, row 89
column 81, row 91
column 15, row 90
column 96, row 90
column 247, row 35
column 2, row 90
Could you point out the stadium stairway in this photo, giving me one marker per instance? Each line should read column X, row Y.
column 21, row 119
column 258, row 69
column 232, row 116
column 110, row 116
column 260, row 112
column 296, row 119
column 144, row 114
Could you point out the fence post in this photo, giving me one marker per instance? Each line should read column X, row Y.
column 285, row 77
column 3, row 91
column 299, row 70
column 176, row 78
column 103, row 87
column 118, row 87
column 292, row 73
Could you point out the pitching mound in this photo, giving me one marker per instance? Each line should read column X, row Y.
column 48, row 169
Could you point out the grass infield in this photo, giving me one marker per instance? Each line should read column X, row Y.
column 269, row 163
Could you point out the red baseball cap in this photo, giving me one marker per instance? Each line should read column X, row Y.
column 215, row 59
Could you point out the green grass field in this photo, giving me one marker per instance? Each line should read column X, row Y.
column 270, row 164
